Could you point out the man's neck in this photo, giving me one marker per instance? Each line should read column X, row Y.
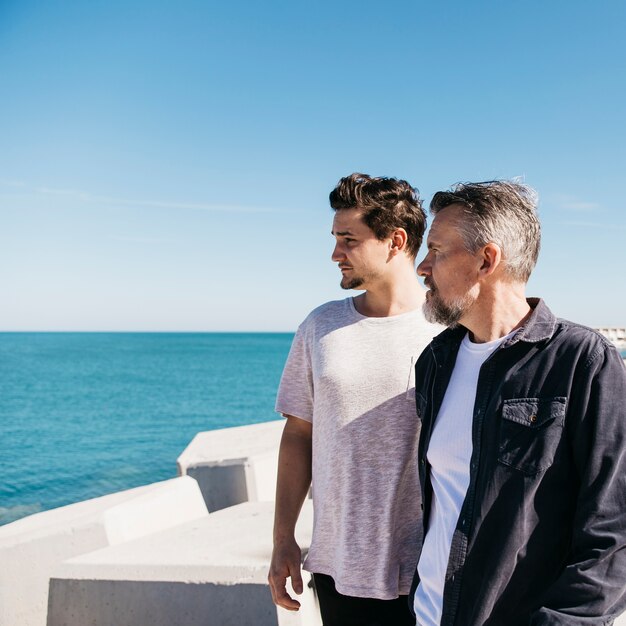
column 399, row 296
column 497, row 314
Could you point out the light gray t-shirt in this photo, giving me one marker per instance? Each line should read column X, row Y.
column 353, row 377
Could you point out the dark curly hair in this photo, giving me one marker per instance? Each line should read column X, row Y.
column 385, row 203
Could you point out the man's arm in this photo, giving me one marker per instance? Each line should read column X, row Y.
column 592, row 584
column 294, row 480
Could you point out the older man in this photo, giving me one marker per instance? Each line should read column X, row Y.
column 522, row 452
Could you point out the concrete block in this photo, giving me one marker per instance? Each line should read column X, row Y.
column 210, row 572
column 234, row 465
column 32, row 547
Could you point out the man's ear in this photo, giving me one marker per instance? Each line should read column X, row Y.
column 491, row 259
column 398, row 240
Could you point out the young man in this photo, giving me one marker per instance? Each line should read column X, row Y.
column 347, row 392
column 522, row 453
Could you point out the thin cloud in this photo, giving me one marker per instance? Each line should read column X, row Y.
column 598, row 225
column 571, row 203
column 581, row 206
column 155, row 204
column 73, row 193
column 143, row 240
column 11, row 183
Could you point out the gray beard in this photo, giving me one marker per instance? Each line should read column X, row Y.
column 438, row 312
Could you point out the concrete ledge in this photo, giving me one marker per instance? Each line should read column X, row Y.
column 234, row 465
column 210, row 572
column 32, row 547
column 158, row 603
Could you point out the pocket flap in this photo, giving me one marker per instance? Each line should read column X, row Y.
column 534, row 412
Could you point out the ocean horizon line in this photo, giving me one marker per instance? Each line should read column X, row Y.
column 148, row 332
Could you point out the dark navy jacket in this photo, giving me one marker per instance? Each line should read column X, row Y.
column 541, row 536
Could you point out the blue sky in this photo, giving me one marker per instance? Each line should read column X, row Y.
column 166, row 166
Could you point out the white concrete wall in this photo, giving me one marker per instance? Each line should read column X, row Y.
column 211, row 572
column 234, row 465
column 152, row 555
column 615, row 333
column 32, row 547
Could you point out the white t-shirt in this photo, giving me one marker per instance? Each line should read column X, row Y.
column 449, row 454
column 353, row 377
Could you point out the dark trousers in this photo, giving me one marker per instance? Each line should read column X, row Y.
column 340, row 610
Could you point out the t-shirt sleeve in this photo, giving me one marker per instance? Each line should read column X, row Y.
column 295, row 392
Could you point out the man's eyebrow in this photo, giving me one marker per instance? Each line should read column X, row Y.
column 340, row 233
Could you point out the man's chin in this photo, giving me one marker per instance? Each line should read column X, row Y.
column 351, row 283
column 429, row 313
column 437, row 313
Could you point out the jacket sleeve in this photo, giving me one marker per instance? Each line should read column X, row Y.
column 592, row 586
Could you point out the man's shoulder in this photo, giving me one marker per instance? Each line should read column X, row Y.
column 568, row 343
column 576, row 330
column 580, row 337
column 336, row 307
column 331, row 310
column 326, row 318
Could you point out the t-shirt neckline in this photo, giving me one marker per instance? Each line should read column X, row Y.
column 378, row 320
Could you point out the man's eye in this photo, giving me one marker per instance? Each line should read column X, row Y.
column 348, row 240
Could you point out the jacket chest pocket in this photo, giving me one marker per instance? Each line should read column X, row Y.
column 530, row 431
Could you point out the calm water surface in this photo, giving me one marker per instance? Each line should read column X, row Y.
column 86, row 414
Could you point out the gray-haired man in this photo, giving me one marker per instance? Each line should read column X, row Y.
column 522, row 450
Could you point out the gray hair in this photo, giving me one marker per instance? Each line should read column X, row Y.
column 500, row 212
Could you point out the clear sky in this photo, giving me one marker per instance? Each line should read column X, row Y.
column 166, row 165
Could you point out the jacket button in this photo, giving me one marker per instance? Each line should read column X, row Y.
column 533, row 419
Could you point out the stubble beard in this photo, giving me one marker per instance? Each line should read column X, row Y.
column 450, row 313
column 359, row 281
column 351, row 283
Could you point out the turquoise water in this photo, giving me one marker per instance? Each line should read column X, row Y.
column 86, row 414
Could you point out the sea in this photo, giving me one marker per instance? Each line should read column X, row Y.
column 87, row 414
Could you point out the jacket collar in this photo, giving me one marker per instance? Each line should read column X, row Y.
column 539, row 326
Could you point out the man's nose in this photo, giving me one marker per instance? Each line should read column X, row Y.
column 423, row 269
column 338, row 254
